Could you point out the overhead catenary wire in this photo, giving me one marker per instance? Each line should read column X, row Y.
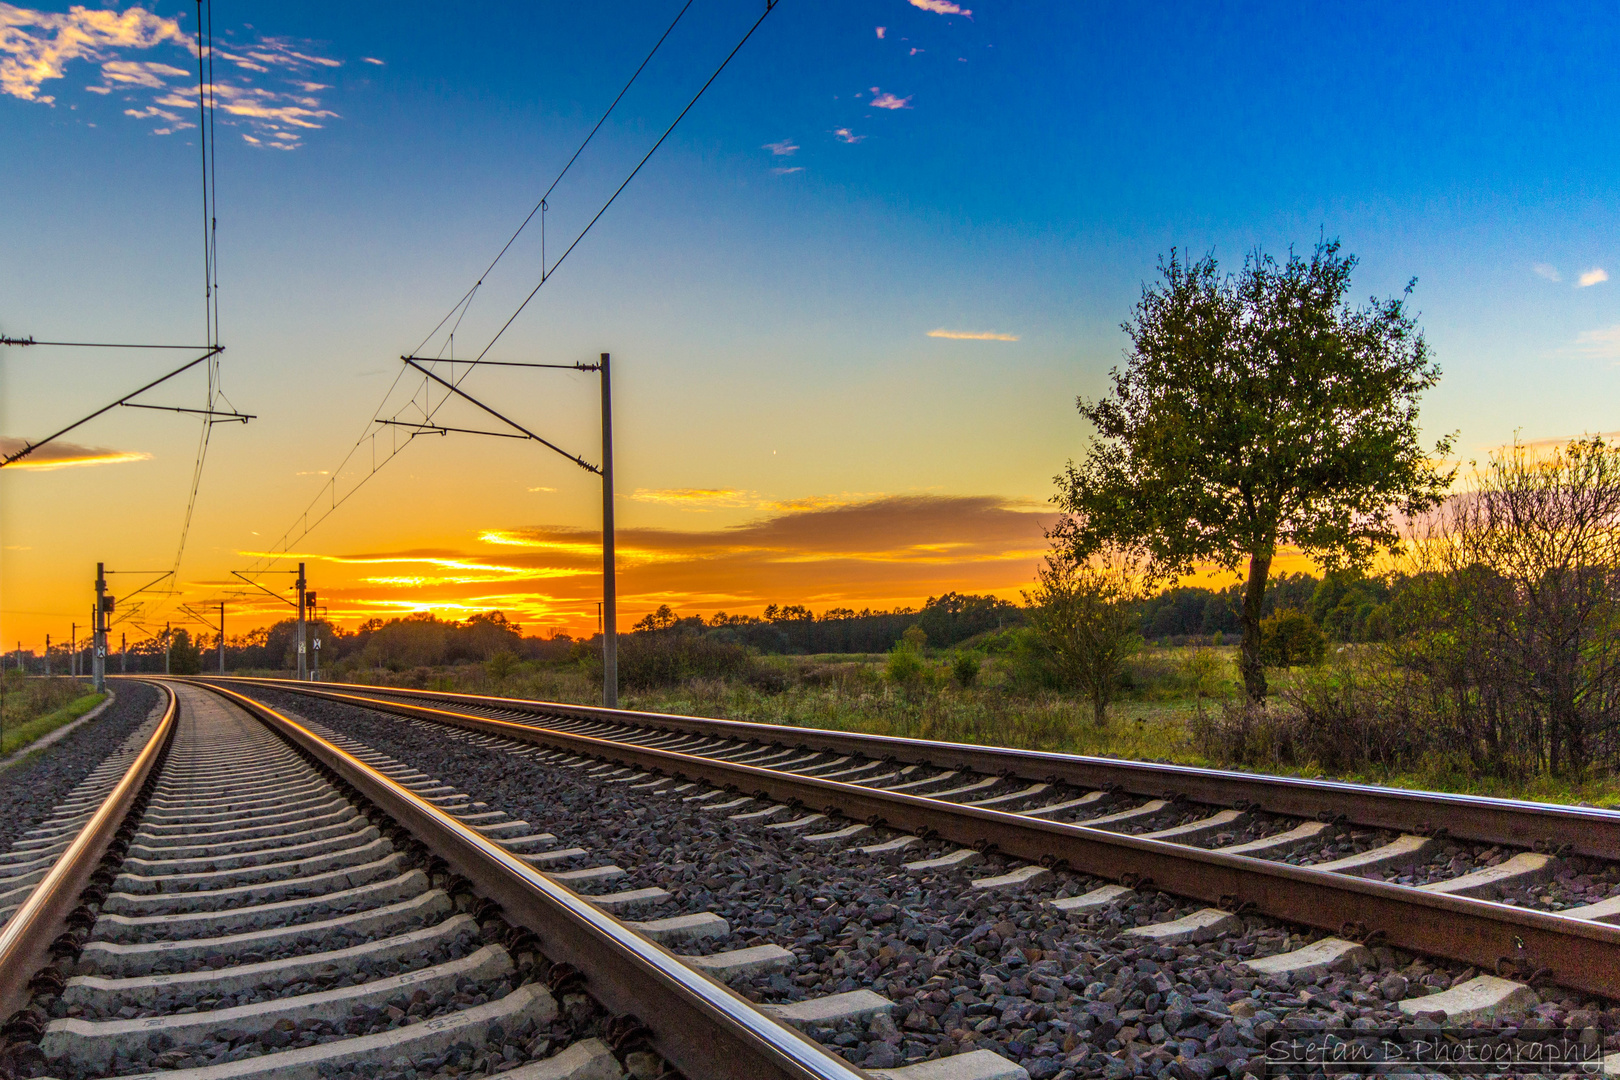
column 327, row 500
column 540, row 206
column 205, row 139
column 545, row 273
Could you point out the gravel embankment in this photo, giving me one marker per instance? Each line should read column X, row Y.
column 30, row 789
column 1067, row 996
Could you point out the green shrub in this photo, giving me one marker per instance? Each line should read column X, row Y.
column 1290, row 639
column 648, row 661
column 965, row 669
column 501, row 666
column 905, row 665
column 1030, row 666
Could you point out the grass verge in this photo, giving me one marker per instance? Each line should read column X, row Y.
column 23, row 734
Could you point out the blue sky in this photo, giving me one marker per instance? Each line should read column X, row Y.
column 769, row 282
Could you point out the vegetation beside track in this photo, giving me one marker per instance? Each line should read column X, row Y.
column 32, row 708
column 1178, row 702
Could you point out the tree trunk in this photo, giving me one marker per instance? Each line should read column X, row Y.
column 1254, row 594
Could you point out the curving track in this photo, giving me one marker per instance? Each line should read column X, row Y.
column 278, row 905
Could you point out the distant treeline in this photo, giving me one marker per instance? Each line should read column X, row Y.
column 1347, row 607
column 946, row 620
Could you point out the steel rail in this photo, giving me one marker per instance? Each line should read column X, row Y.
column 1578, row 953
column 1581, row 830
column 26, row 939
column 698, row 1024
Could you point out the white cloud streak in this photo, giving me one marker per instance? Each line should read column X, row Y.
column 972, row 335
column 887, row 100
column 37, row 46
column 845, row 135
column 1592, row 277
column 1548, row 271
column 1603, row 344
column 942, row 7
column 780, row 149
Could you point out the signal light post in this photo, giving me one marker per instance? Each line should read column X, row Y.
column 302, row 600
column 98, row 648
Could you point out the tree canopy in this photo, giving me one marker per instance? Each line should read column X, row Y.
column 1254, row 411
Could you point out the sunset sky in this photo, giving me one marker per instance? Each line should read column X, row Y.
column 850, row 302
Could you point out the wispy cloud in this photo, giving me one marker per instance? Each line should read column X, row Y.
column 313, row 472
column 1603, row 344
column 781, row 149
column 972, row 335
column 1548, row 271
column 886, row 100
column 787, row 170
column 65, row 455
column 942, row 7
column 697, row 498
column 847, row 136
column 37, row 47
column 881, row 31
column 371, row 60
column 1592, row 277
column 542, row 490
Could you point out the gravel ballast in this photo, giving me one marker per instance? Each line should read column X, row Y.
column 1064, row 995
column 31, row 788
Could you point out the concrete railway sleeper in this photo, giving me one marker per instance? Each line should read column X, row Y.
column 1251, row 958
column 282, row 902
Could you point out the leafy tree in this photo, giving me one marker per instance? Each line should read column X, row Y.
column 662, row 619
column 184, row 656
column 1256, row 411
column 1084, row 612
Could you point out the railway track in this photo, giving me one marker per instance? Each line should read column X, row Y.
column 256, row 897
column 1425, row 872
column 280, row 896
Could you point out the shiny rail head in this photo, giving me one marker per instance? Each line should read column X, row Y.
column 1582, row 954
column 26, row 938
column 997, row 757
column 777, row 1050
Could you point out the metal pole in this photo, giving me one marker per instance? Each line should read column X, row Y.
column 123, row 653
column 47, row 654
column 98, row 663
column 302, row 670
column 167, row 642
column 222, row 637
column 610, row 632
